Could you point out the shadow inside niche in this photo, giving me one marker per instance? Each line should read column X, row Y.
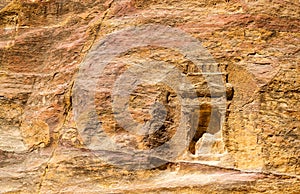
column 206, row 124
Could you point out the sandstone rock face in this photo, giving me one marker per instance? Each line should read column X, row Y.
column 136, row 96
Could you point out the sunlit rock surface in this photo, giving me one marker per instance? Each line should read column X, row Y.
column 252, row 145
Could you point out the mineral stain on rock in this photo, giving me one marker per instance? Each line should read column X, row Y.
column 254, row 148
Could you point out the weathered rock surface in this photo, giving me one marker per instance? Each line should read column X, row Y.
column 251, row 147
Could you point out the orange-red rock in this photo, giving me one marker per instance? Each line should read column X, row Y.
column 255, row 44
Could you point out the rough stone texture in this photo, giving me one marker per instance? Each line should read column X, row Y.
column 255, row 43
